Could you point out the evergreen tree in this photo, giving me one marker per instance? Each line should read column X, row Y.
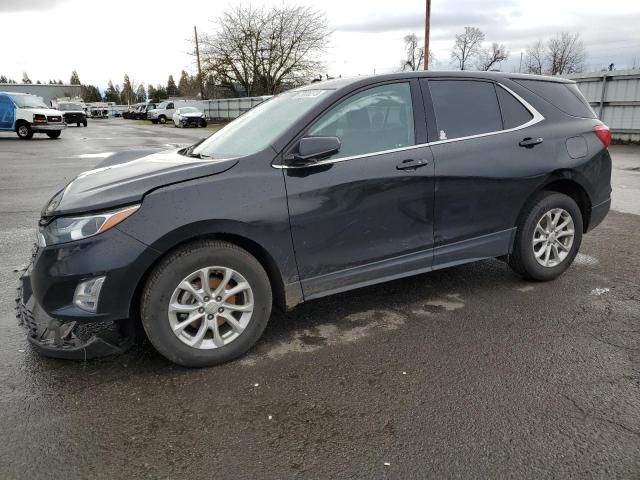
column 75, row 79
column 3, row 79
column 141, row 95
column 172, row 89
column 112, row 94
column 152, row 94
column 25, row 78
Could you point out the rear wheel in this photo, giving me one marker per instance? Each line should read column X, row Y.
column 206, row 303
column 54, row 133
column 24, row 131
column 548, row 237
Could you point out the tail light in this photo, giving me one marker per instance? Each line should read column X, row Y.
column 603, row 133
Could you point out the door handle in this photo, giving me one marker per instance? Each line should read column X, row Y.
column 411, row 164
column 529, row 142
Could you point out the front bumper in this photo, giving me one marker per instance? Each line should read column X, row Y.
column 68, row 340
column 48, row 127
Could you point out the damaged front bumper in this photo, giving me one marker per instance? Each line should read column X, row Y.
column 71, row 339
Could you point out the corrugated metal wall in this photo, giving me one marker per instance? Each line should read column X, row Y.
column 615, row 97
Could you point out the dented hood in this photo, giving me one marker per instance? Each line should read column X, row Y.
column 125, row 178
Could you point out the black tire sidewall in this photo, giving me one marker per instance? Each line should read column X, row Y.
column 524, row 248
column 166, row 277
column 28, row 135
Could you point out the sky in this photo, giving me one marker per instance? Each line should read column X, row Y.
column 149, row 39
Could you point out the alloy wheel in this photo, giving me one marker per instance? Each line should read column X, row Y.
column 211, row 307
column 553, row 237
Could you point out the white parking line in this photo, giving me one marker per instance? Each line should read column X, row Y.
column 95, row 155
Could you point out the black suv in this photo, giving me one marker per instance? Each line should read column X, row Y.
column 322, row 189
column 73, row 113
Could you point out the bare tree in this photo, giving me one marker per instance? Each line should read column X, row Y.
column 414, row 49
column 466, row 47
column 565, row 54
column 534, row 59
column 492, row 56
column 264, row 50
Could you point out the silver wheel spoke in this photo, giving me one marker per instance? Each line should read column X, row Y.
column 225, row 281
column 562, row 246
column 233, row 323
column 198, row 337
column 182, row 325
column 191, row 289
column 565, row 233
column 204, row 281
column 237, row 289
column 217, row 339
column 238, row 308
column 181, row 308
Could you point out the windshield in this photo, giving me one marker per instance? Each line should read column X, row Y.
column 260, row 126
column 162, row 105
column 28, row 101
column 65, row 107
column 189, row 110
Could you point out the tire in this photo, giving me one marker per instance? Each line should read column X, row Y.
column 162, row 119
column 167, row 278
column 84, row 123
column 54, row 133
column 78, row 124
column 203, row 123
column 24, row 131
column 523, row 259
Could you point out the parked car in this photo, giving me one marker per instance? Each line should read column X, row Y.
column 27, row 114
column 189, row 117
column 144, row 111
column 162, row 112
column 73, row 113
column 322, row 189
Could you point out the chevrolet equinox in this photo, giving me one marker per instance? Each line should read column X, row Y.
column 321, row 189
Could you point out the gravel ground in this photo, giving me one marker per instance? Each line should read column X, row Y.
column 468, row 372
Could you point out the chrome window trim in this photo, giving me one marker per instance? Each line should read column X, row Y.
column 537, row 117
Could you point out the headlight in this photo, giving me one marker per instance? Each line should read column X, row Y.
column 67, row 229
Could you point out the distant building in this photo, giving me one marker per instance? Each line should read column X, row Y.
column 47, row 92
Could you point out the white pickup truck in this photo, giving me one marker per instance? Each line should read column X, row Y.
column 27, row 114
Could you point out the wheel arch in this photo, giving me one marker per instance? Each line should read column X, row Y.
column 243, row 241
column 569, row 185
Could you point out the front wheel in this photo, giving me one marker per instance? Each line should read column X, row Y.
column 206, row 303
column 24, row 131
column 84, row 123
column 203, row 123
column 548, row 237
column 162, row 119
column 54, row 133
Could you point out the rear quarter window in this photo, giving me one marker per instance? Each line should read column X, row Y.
column 514, row 113
column 564, row 96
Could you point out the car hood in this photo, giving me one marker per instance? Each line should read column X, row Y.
column 44, row 111
column 127, row 177
column 191, row 115
column 64, row 112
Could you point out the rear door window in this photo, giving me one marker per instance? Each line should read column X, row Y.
column 514, row 113
column 564, row 96
column 464, row 108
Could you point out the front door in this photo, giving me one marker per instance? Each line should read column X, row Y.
column 365, row 215
column 7, row 113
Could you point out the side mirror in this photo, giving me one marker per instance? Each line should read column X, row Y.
column 316, row 148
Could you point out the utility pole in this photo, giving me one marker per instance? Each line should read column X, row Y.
column 426, row 35
column 195, row 31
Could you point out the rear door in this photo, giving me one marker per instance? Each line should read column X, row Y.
column 482, row 173
column 7, row 113
column 365, row 215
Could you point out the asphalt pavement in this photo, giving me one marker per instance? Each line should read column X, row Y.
column 469, row 372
